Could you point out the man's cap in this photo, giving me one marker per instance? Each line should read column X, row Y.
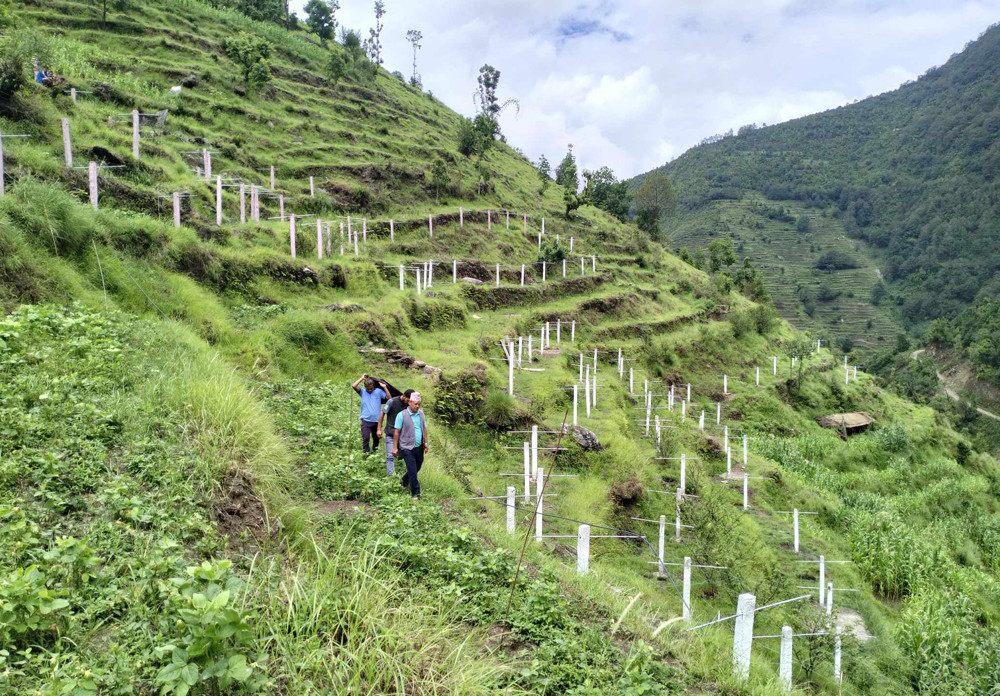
column 415, row 396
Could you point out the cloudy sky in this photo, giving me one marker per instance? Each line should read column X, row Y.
column 634, row 83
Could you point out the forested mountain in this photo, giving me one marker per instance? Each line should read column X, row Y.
column 912, row 173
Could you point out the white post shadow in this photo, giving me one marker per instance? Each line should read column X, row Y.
column 758, row 376
column 743, row 635
column 683, row 476
column 272, row 177
column 586, row 390
column 527, row 470
column 430, row 226
column 572, row 331
column 564, row 268
column 718, row 413
column 511, row 493
column 539, row 488
column 281, row 211
column 544, row 267
column 677, row 516
column 312, row 187
column 686, row 590
column 631, row 380
column 744, row 450
column 583, row 549
column 837, row 674
column 725, row 384
column 392, row 230
column 92, row 175
column 135, row 134
column 243, row 203
column 218, row 200
column 498, row 275
column 177, row 209
column 67, row 144
column 534, row 450
column 510, row 370
column 829, row 599
column 785, row 659
column 576, row 397
column 774, row 372
column 701, row 421
column 207, row 162
column 661, row 567
column 795, row 530
column 319, row 238
column 822, row 580
column 746, row 491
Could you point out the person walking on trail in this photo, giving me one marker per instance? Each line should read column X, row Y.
column 372, row 397
column 387, row 425
column 409, row 440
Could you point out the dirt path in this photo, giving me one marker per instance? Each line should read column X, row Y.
column 952, row 394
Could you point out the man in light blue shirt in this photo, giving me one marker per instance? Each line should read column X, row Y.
column 409, row 440
column 371, row 407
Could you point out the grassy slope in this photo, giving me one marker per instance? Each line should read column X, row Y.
column 342, row 623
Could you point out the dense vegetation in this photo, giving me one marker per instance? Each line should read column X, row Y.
column 912, row 173
column 183, row 502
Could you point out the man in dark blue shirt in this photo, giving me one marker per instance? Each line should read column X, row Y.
column 372, row 397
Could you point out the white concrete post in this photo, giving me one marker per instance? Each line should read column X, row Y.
column 539, row 240
column 348, row 241
column 364, row 229
column 272, row 177
column 489, row 219
column 461, row 218
column 543, row 226
column 548, row 334
column 72, row 94
column 454, row 272
column 829, row 599
column 725, row 384
column 564, row 268
column 660, row 566
column 430, row 225
column 847, row 376
column 527, row 470
column 329, row 240
column 631, row 381
column 67, row 143
column 656, row 421
column 510, row 371
column 571, row 244
column 718, row 413
column 677, row 519
column 243, row 203
column 822, row 580
column 744, row 450
column 530, row 337
column 743, row 635
column 511, row 492
column 725, row 442
column 544, row 266
column 520, row 349
column 701, row 421
column 281, row 210
column 92, row 172
column 218, row 200
column 686, row 590
column 356, row 244
column 177, row 209
column 572, row 331
column 254, row 204
column 593, row 390
column 729, row 463
column 417, row 271
column 291, row 233
column 135, row 134
column 539, row 487
column 583, row 549
column 586, row 390
column 312, row 187
column 758, row 376
column 795, row 530
column 319, row 238
column 392, row 230
column 746, row 490
column 855, row 375
column 534, row 450
column 774, row 372
column 689, row 393
column 683, row 411
column 583, row 270
column 207, row 157
column 621, row 367
column 785, row 659
column 595, row 360
column 593, row 263
column 498, row 275
column 522, row 274
column 837, row 674
column 576, row 397
column 683, row 473
column 581, row 367
column 401, row 282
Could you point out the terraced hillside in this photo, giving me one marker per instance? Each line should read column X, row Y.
column 834, row 304
column 185, row 505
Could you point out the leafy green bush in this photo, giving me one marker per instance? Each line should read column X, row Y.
column 834, row 260
column 458, row 398
column 500, row 410
column 435, row 314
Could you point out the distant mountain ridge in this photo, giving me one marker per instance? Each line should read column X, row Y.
column 911, row 172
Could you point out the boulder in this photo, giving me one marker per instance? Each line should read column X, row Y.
column 474, row 281
column 586, row 439
column 190, row 81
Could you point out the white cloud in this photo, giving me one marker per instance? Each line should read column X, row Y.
column 632, row 83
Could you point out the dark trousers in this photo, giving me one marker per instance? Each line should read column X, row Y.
column 368, row 430
column 414, row 459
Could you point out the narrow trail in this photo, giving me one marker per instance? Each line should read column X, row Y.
column 952, row 394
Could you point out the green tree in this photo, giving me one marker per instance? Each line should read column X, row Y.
column 604, row 191
column 544, row 170
column 655, row 197
column 263, row 10
column 750, row 282
column 250, row 53
column 439, row 178
column 572, row 201
column 321, row 18
column 116, row 5
column 414, row 37
column 373, row 44
column 566, row 172
column 720, row 253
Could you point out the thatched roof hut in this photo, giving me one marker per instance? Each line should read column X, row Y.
column 847, row 423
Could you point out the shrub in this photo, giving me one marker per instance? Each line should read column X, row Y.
column 501, row 412
column 457, row 399
column 835, row 261
column 431, row 315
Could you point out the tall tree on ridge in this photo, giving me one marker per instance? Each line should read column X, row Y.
column 566, row 172
column 414, row 37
